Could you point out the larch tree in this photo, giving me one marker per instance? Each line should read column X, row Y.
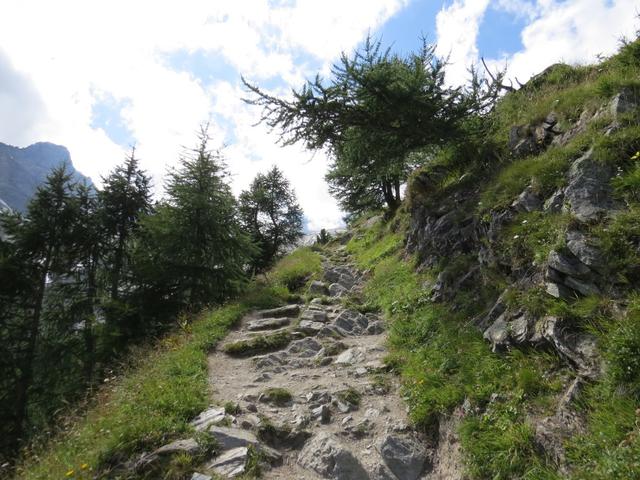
column 270, row 213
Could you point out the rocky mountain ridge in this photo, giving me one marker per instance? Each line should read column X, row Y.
column 22, row 170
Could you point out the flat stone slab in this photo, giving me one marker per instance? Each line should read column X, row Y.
column 310, row 327
column 200, row 476
column 325, row 455
column 231, row 464
column 307, row 347
column 351, row 356
column 405, row 456
column 314, row 315
column 267, row 323
column 189, row 446
column 229, row 438
column 286, row 311
column 208, row 417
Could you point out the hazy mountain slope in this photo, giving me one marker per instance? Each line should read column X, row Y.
column 23, row 169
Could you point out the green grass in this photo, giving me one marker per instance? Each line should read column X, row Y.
column 532, row 236
column 568, row 91
column 443, row 361
column 374, row 244
column 296, row 269
column 350, row 395
column 545, row 173
column 618, row 239
column 277, row 396
column 231, row 408
column 163, row 388
column 611, row 446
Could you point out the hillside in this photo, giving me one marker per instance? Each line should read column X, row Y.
column 22, row 170
column 489, row 328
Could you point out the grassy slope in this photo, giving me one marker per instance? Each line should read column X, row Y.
column 163, row 389
column 443, row 360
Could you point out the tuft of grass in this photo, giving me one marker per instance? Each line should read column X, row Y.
column 619, row 240
column 374, row 244
column 253, row 467
column 499, row 445
column 259, row 344
column 627, row 185
column 277, row 396
column 231, row 408
column 623, row 349
column 611, row 446
column 296, row 269
column 532, row 236
column 350, row 395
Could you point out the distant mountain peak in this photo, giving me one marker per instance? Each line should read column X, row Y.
column 22, row 170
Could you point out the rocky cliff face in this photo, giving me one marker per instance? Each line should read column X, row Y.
column 22, row 170
column 549, row 243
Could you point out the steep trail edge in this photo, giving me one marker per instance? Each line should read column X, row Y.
column 307, row 394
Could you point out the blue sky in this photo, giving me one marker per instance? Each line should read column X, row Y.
column 99, row 77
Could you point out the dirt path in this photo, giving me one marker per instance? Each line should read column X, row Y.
column 320, row 405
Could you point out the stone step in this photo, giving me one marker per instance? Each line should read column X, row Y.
column 290, row 311
column 260, row 344
column 267, row 324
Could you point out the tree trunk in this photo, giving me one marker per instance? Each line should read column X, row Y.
column 387, row 190
column 26, row 374
column 89, row 339
column 117, row 267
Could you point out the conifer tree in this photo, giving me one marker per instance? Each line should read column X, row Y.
column 41, row 243
column 125, row 199
column 272, row 216
column 194, row 251
column 376, row 108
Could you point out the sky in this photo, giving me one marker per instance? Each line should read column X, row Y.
column 99, row 77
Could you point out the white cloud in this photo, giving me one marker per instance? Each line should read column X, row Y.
column 570, row 31
column 76, row 52
column 573, row 31
column 518, row 8
column 457, row 28
column 20, row 104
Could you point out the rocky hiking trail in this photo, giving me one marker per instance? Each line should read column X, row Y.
column 302, row 392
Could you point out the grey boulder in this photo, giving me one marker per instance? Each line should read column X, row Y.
column 326, row 456
column 404, row 455
column 232, row 463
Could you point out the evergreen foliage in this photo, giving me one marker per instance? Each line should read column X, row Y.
column 271, row 214
column 125, row 199
column 376, row 109
column 193, row 251
column 85, row 273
